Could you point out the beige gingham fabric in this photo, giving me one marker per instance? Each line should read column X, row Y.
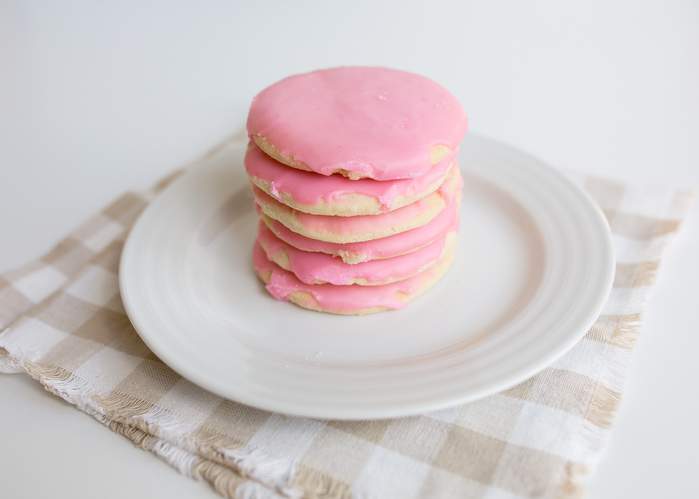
column 64, row 325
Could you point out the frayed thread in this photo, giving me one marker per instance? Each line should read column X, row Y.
column 8, row 365
column 318, row 484
column 126, row 416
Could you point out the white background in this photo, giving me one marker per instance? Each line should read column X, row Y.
column 96, row 99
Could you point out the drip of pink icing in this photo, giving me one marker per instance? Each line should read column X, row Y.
column 375, row 122
column 314, row 268
column 337, row 298
column 311, row 188
column 385, row 247
column 365, row 224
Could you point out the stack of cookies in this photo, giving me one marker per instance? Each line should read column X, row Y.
column 355, row 179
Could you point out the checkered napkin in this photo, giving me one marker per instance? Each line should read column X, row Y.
column 63, row 324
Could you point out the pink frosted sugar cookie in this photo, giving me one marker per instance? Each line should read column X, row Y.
column 347, row 300
column 378, row 249
column 360, row 122
column 335, row 194
column 362, row 227
column 318, row 268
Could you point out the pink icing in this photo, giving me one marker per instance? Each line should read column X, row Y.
column 385, row 247
column 363, row 226
column 310, row 188
column 375, row 122
column 315, row 268
column 346, row 299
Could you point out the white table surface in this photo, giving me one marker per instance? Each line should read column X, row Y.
column 98, row 99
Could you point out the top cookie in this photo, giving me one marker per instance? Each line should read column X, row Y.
column 361, row 122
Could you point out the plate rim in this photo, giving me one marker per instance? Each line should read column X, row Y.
column 397, row 411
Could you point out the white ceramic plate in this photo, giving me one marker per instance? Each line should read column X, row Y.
column 533, row 270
